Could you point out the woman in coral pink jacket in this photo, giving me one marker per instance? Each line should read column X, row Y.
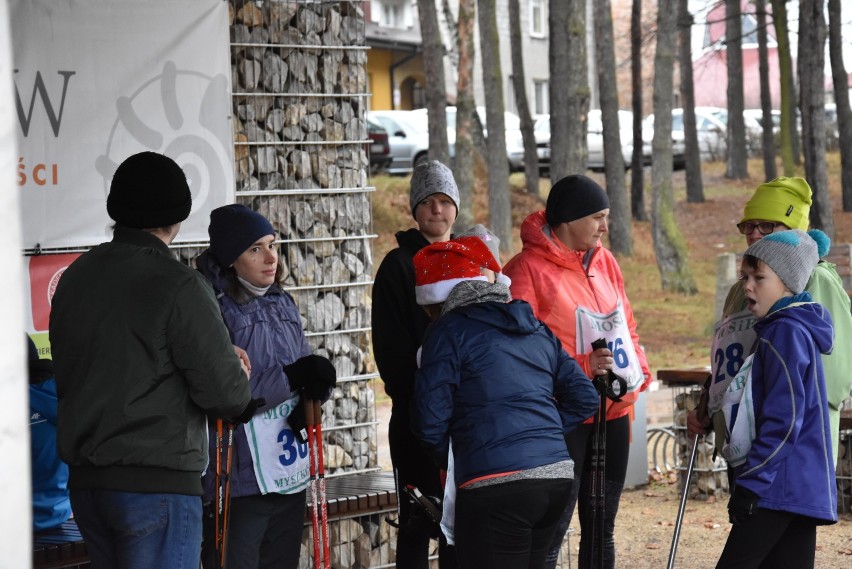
column 575, row 286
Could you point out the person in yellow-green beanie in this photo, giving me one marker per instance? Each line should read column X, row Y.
column 781, row 204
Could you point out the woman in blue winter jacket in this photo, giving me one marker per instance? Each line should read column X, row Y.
column 778, row 439
column 270, row 463
column 495, row 385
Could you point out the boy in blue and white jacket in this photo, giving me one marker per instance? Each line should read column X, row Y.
column 778, row 434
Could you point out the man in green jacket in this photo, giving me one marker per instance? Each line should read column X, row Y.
column 778, row 205
column 142, row 358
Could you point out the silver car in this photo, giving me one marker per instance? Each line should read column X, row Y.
column 594, row 140
column 408, row 136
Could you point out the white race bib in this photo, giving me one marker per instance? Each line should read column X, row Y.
column 613, row 328
column 738, row 408
column 280, row 461
column 448, row 517
column 733, row 341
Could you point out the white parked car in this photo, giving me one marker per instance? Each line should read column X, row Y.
column 594, row 140
column 514, row 139
column 712, row 143
column 408, row 136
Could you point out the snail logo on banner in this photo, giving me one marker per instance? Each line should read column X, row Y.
column 110, row 79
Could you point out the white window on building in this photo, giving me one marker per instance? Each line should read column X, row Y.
column 540, row 96
column 537, row 21
column 392, row 13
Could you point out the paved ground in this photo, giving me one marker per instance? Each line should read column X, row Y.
column 659, row 411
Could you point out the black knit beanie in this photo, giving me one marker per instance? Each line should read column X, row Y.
column 149, row 190
column 574, row 197
column 233, row 229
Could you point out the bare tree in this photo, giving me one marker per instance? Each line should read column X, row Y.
column 768, row 140
column 499, row 204
column 841, row 99
column 788, row 97
column 519, row 84
column 812, row 101
column 568, row 88
column 694, row 184
column 435, row 88
column 620, row 231
column 637, row 172
column 669, row 245
column 465, row 111
column 737, row 160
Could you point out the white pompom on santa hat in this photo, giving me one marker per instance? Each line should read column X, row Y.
column 441, row 266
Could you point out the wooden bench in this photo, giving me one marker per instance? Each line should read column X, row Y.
column 61, row 547
column 357, row 495
column 346, row 496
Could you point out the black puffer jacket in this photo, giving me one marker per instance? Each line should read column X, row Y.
column 141, row 355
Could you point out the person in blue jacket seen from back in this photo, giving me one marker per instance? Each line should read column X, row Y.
column 495, row 385
column 51, row 504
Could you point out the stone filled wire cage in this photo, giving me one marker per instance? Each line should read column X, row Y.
column 299, row 99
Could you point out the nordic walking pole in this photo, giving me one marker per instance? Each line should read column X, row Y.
column 682, row 507
column 317, row 406
column 309, row 419
column 613, row 387
column 222, row 499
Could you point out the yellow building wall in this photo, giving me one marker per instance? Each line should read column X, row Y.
column 406, row 76
column 378, row 74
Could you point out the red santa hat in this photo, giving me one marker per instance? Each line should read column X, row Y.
column 441, row 266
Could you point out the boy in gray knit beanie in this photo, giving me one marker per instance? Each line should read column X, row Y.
column 791, row 257
column 774, row 412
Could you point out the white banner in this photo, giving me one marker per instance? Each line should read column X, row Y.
column 96, row 81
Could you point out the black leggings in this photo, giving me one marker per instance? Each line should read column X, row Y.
column 771, row 539
column 508, row 525
column 579, row 443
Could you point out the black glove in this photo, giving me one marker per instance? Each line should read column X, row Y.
column 313, row 374
column 742, row 505
column 298, row 422
column 250, row 410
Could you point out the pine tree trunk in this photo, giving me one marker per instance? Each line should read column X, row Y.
column 694, row 183
column 499, row 203
column 812, row 101
column 519, row 83
column 620, row 230
column 669, row 245
column 841, row 99
column 435, row 88
column 737, row 155
column 768, row 139
column 637, row 172
column 788, row 102
column 465, row 109
column 569, row 88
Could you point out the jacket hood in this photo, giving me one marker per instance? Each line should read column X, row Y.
column 535, row 235
column 411, row 240
column 812, row 316
column 514, row 317
column 212, row 271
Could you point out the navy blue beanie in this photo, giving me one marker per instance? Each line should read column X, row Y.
column 233, row 229
column 574, row 197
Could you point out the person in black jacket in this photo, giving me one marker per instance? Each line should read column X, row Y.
column 142, row 358
column 398, row 326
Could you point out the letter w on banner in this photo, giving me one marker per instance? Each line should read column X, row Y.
column 96, row 81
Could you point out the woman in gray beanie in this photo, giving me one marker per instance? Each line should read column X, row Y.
column 575, row 286
column 270, row 473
